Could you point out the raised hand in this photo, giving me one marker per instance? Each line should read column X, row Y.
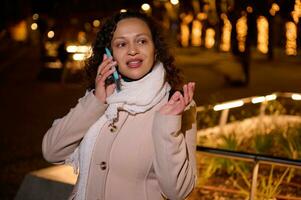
column 103, row 72
column 178, row 102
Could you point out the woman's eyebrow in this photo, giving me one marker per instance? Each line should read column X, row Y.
column 137, row 35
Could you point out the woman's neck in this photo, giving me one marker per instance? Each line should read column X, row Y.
column 127, row 79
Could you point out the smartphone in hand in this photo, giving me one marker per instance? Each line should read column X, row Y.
column 114, row 78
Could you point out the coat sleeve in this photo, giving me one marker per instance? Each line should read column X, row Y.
column 174, row 140
column 66, row 133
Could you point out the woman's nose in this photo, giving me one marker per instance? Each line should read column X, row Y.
column 132, row 50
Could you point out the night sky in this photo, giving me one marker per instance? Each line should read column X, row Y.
column 12, row 11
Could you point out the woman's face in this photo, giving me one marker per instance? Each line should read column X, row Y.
column 133, row 48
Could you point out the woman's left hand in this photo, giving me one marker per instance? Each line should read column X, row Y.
column 178, row 102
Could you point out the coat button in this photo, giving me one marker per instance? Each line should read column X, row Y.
column 113, row 129
column 103, row 165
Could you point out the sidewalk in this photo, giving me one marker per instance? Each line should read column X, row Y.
column 207, row 69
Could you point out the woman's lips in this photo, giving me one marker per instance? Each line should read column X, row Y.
column 134, row 63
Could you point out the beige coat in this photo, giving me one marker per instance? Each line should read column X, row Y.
column 149, row 156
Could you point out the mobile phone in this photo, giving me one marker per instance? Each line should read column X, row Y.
column 114, row 78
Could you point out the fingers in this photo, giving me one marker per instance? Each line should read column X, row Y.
column 105, row 69
column 105, row 65
column 177, row 98
column 191, row 87
column 188, row 92
column 110, row 89
column 104, row 76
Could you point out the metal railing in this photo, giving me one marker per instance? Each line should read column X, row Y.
column 257, row 159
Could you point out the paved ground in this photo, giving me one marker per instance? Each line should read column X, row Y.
column 28, row 105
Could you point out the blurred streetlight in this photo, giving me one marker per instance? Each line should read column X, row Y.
column 296, row 97
column 249, row 9
column 34, row 26
column 35, row 16
column 275, row 8
column 96, row 23
column 78, row 56
column 263, row 34
column 291, row 38
column 145, row 7
column 226, row 33
column 209, row 38
column 242, row 29
column 123, row 10
column 50, row 34
column 174, row 2
column 196, row 33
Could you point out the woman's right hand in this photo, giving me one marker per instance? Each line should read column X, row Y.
column 105, row 69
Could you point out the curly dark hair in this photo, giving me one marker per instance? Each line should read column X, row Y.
column 104, row 37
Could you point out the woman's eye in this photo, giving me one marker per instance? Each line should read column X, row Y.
column 142, row 41
column 121, row 44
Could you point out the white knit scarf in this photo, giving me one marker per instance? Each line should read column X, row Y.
column 134, row 97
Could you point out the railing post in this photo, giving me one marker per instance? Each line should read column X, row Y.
column 223, row 119
column 254, row 181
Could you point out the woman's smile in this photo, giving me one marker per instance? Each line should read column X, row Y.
column 134, row 63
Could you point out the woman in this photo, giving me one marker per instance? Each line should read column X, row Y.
column 138, row 143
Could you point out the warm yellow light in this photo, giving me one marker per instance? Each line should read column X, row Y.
column 174, row 2
column 249, row 9
column 78, row 49
column 270, row 97
column 71, row 49
column 78, row 56
column 296, row 13
column 82, row 37
column 53, row 65
column 184, row 35
column 96, row 23
column 35, row 16
column 296, row 97
column 34, row 26
column 209, row 38
column 196, row 34
column 50, row 34
column 145, row 7
column 242, row 29
column 83, row 49
column 263, row 34
column 184, row 28
column 291, row 38
column 202, row 16
column 264, row 98
column 258, row 100
column 226, row 34
column 123, row 10
column 19, row 31
column 228, row 105
column 275, row 8
column 51, row 48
